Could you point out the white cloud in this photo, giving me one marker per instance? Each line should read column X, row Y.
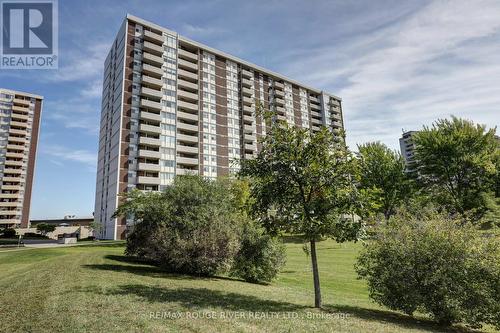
column 62, row 153
column 441, row 60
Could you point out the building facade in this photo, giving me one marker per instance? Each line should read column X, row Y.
column 19, row 127
column 407, row 147
column 172, row 106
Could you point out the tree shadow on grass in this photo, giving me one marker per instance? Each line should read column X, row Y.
column 146, row 268
column 398, row 319
column 198, row 298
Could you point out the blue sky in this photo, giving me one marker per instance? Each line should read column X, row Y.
column 396, row 64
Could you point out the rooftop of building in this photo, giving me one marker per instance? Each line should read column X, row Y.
column 16, row 92
column 227, row 56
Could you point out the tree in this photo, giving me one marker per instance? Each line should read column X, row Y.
column 95, row 227
column 45, row 228
column 457, row 161
column 192, row 227
column 434, row 265
column 301, row 183
column 382, row 177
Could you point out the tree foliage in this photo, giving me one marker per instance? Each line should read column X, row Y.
column 382, row 178
column 191, row 227
column 45, row 228
column 435, row 266
column 457, row 161
column 301, row 183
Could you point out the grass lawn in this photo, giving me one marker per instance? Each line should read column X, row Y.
column 96, row 289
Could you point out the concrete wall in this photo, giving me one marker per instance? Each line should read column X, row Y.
column 82, row 230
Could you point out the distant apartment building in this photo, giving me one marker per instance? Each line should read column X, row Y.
column 172, row 106
column 19, row 127
column 407, row 147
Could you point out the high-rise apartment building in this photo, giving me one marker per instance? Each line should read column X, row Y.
column 172, row 106
column 19, row 126
column 407, row 147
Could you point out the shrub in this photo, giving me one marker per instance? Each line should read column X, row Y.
column 192, row 227
column 9, row 233
column 260, row 257
column 434, row 266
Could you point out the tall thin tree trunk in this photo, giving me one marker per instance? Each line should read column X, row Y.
column 314, row 261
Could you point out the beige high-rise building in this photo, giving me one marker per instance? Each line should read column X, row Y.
column 172, row 106
column 19, row 127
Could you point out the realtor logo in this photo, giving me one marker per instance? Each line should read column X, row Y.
column 29, row 35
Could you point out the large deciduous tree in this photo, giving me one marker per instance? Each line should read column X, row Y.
column 382, row 177
column 301, row 183
column 457, row 161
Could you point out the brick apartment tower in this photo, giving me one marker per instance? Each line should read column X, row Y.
column 172, row 106
column 19, row 127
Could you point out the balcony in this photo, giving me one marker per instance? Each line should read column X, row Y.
column 280, row 110
column 187, row 65
column 249, row 137
column 152, row 59
column 249, row 128
column 10, row 195
column 278, row 85
column 246, row 74
column 11, row 204
column 186, row 160
column 151, row 81
column 187, row 149
column 153, row 48
column 187, row 75
column 315, row 128
column 150, row 104
column 187, row 138
column 247, row 100
column 187, row 106
column 14, row 155
column 187, row 95
column 246, row 83
column 248, row 109
column 314, row 99
column 21, row 101
column 20, row 109
column 148, row 167
column 148, row 180
column 15, row 163
column 17, row 131
column 150, row 116
column 182, row 171
column 249, row 119
column 143, row 140
column 315, row 106
column 14, row 171
column 19, row 116
column 153, row 37
column 315, row 114
column 336, row 124
column 187, row 85
column 13, row 179
column 183, row 54
column 316, row 121
column 247, row 92
column 152, row 70
column 16, row 147
column 12, row 187
column 148, row 92
column 18, row 124
column 281, row 118
column 279, row 101
column 150, row 129
column 279, row 93
column 149, row 153
column 187, row 116
column 250, row 147
column 187, row 127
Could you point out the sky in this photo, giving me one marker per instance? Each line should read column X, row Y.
column 395, row 64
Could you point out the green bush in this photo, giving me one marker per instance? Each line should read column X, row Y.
column 434, row 266
column 260, row 257
column 192, row 227
column 9, row 233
